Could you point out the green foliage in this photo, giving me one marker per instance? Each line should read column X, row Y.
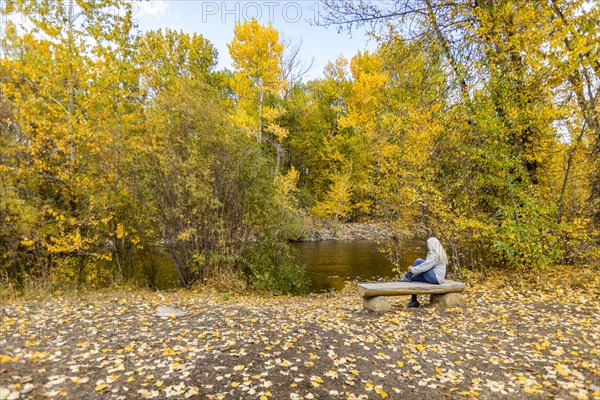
column 286, row 189
column 225, row 296
column 527, row 235
column 268, row 269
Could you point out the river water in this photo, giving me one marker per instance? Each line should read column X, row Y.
column 328, row 264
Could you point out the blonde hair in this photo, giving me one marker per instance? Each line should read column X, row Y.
column 433, row 244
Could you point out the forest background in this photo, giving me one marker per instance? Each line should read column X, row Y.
column 475, row 121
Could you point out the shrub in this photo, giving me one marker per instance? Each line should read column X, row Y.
column 268, row 268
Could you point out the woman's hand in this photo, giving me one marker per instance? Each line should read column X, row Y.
column 410, row 269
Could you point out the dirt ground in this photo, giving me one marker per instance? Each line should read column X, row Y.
column 510, row 342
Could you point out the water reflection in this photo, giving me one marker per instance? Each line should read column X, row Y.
column 329, row 264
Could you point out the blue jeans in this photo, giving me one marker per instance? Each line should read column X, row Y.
column 427, row 276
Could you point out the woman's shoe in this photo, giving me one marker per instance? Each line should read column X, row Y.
column 405, row 279
column 414, row 303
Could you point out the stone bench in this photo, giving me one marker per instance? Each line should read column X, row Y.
column 375, row 294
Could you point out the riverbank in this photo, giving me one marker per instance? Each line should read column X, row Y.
column 332, row 230
column 513, row 341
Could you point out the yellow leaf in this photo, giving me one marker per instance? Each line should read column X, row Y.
column 354, row 372
column 39, row 354
column 316, row 381
column 528, row 389
column 381, row 392
column 100, row 387
column 168, row 352
column 560, row 369
column 542, row 346
column 120, row 231
column 400, row 363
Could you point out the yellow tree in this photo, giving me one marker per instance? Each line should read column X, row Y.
column 522, row 95
column 257, row 53
column 61, row 74
column 165, row 56
column 395, row 106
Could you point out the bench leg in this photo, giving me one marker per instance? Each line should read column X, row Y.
column 447, row 300
column 377, row 303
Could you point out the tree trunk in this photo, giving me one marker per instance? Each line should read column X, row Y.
column 261, row 94
column 71, row 87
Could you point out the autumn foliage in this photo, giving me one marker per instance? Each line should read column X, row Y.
column 479, row 124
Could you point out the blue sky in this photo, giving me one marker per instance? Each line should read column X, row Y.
column 215, row 21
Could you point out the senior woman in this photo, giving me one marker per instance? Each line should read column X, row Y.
column 430, row 270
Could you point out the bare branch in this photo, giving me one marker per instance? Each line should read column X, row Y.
column 294, row 67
